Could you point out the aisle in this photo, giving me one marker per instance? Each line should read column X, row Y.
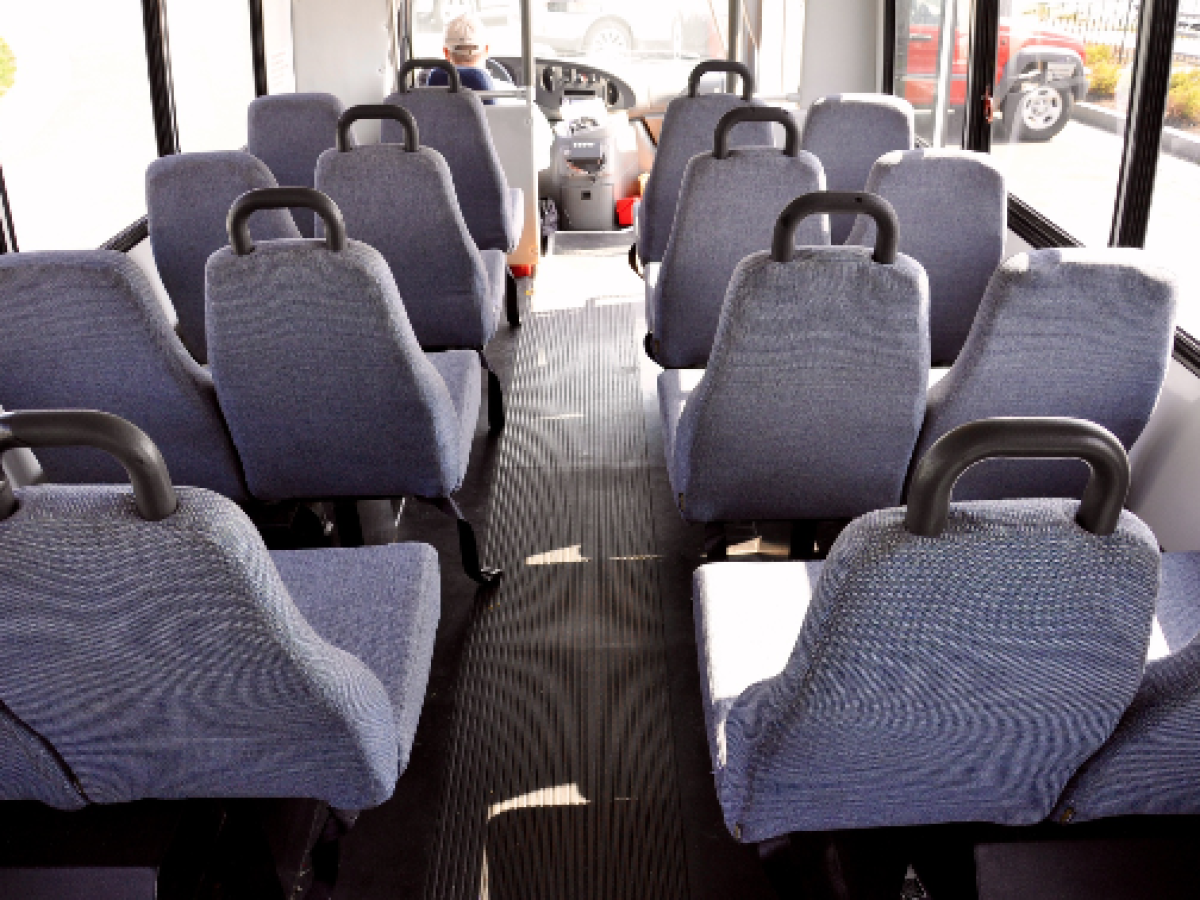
column 561, row 779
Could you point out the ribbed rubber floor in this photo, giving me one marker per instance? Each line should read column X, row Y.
column 561, row 780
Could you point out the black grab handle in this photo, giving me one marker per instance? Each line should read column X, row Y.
column 251, row 202
column 1031, row 438
column 377, row 111
column 757, row 114
column 444, row 64
column 887, row 226
column 722, row 65
column 132, row 447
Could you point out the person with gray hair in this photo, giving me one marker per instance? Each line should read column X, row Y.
column 466, row 46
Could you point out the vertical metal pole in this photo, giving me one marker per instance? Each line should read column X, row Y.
column 981, row 79
column 528, row 69
column 752, row 22
column 158, row 69
column 258, row 47
column 735, row 41
column 889, row 47
column 8, row 233
column 945, row 68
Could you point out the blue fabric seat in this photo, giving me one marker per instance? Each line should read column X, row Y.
column 380, row 604
column 188, row 196
column 400, row 199
column 1073, row 332
column 961, row 676
column 729, row 203
column 83, row 329
column 325, row 388
column 687, row 130
column 958, row 244
column 787, row 422
column 453, row 123
column 1151, row 763
column 173, row 657
column 327, row 393
column 289, row 132
column 848, row 133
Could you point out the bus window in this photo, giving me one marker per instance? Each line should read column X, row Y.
column 212, row 72
column 653, row 47
column 1063, row 75
column 932, row 62
column 76, row 125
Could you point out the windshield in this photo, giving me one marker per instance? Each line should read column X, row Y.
column 652, row 46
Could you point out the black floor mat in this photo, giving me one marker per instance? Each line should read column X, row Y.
column 562, row 780
column 561, row 751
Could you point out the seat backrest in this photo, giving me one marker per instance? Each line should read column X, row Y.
column 728, row 207
column 323, row 383
column 848, row 133
column 83, row 329
column 953, row 210
column 188, row 196
column 955, row 673
column 453, row 122
column 162, row 657
column 1075, row 332
column 289, row 132
column 815, row 388
column 687, row 131
column 400, row 199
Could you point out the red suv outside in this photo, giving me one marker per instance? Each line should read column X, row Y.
column 1040, row 75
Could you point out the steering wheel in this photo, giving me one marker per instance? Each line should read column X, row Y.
column 555, row 77
column 500, row 69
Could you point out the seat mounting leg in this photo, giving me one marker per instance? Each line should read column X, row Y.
column 716, row 545
column 467, row 545
column 512, row 299
column 495, row 401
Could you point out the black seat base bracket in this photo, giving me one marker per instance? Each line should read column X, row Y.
column 467, row 545
column 512, row 299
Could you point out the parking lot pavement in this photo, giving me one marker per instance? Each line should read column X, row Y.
column 1072, row 180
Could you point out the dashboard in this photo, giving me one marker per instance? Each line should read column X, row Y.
column 559, row 82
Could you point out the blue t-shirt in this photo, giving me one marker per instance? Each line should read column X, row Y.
column 472, row 78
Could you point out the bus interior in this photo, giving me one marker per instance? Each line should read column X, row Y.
column 592, row 449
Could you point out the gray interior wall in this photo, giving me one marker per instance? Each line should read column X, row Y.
column 841, row 48
column 342, row 47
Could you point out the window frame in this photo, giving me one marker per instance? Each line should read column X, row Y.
column 1144, row 125
column 162, row 105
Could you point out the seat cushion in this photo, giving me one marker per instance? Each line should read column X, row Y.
column 516, row 216
column 748, row 616
column 496, row 266
column 674, row 388
column 381, row 604
column 1179, row 599
column 650, row 272
column 462, row 372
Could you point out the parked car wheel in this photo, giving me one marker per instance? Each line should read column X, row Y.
column 609, row 38
column 1038, row 114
